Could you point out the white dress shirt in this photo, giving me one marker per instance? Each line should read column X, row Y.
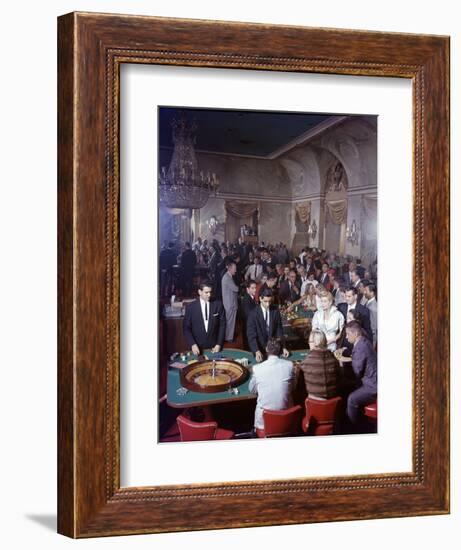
column 268, row 318
column 254, row 272
column 205, row 317
column 304, row 282
column 273, row 381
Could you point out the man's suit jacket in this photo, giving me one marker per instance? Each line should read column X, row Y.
column 324, row 279
column 229, row 292
column 188, row 262
column 347, row 279
column 364, row 364
column 194, row 326
column 360, row 271
column 364, row 313
column 286, row 294
column 257, row 332
column 248, row 304
column 373, row 309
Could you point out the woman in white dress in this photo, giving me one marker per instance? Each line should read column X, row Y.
column 329, row 320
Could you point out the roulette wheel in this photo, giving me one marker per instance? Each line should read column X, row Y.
column 211, row 376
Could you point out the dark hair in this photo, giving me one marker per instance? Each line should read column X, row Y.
column 266, row 293
column 355, row 327
column 204, row 284
column 249, row 283
column 357, row 316
column 274, row 346
column 171, row 244
column 326, row 263
column 271, row 276
column 229, row 263
column 353, row 289
column 187, row 243
column 372, row 287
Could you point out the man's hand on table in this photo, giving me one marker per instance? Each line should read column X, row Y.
column 195, row 349
column 216, row 349
column 258, row 356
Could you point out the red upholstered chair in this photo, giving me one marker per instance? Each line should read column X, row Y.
column 280, row 423
column 371, row 410
column 201, row 431
column 321, row 416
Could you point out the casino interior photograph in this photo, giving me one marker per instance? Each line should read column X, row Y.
column 268, row 274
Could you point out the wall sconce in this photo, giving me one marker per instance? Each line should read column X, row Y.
column 312, row 230
column 352, row 234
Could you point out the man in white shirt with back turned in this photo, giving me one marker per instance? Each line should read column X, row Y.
column 273, row 380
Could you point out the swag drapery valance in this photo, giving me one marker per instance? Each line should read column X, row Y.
column 241, row 209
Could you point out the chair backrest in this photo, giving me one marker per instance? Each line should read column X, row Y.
column 196, row 431
column 284, row 422
column 322, row 414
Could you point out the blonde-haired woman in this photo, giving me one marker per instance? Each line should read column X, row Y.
column 308, row 299
column 329, row 320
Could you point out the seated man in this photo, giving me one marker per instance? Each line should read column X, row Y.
column 365, row 367
column 264, row 322
column 273, row 381
column 289, row 290
column 204, row 323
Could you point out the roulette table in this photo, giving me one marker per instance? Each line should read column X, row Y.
column 197, row 385
column 213, row 375
column 180, row 396
column 297, row 324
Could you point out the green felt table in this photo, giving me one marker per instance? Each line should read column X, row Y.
column 289, row 331
column 195, row 399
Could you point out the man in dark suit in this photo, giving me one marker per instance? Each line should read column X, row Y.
column 204, row 323
column 248, row 300
column 360, row 269
column 365, row 367
column 324, row 278
column 264, row 322
column 247, row 305
column 168, row 259
column 188, row 263
column 289, row 291
column 352, row 303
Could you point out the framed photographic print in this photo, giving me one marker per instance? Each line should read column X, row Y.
column 225, row 193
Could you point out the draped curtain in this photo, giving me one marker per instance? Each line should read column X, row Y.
column 237, row 214
column 337, row 210
column 241, row 209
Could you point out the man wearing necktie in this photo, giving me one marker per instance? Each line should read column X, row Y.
column 264, row 322
column 289, row 291
column 204, row 323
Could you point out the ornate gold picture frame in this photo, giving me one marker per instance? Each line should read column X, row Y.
column 92, row 48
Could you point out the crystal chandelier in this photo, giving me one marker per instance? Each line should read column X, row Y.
column 183, row 185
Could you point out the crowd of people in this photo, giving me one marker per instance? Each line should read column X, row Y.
column 248, row 286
